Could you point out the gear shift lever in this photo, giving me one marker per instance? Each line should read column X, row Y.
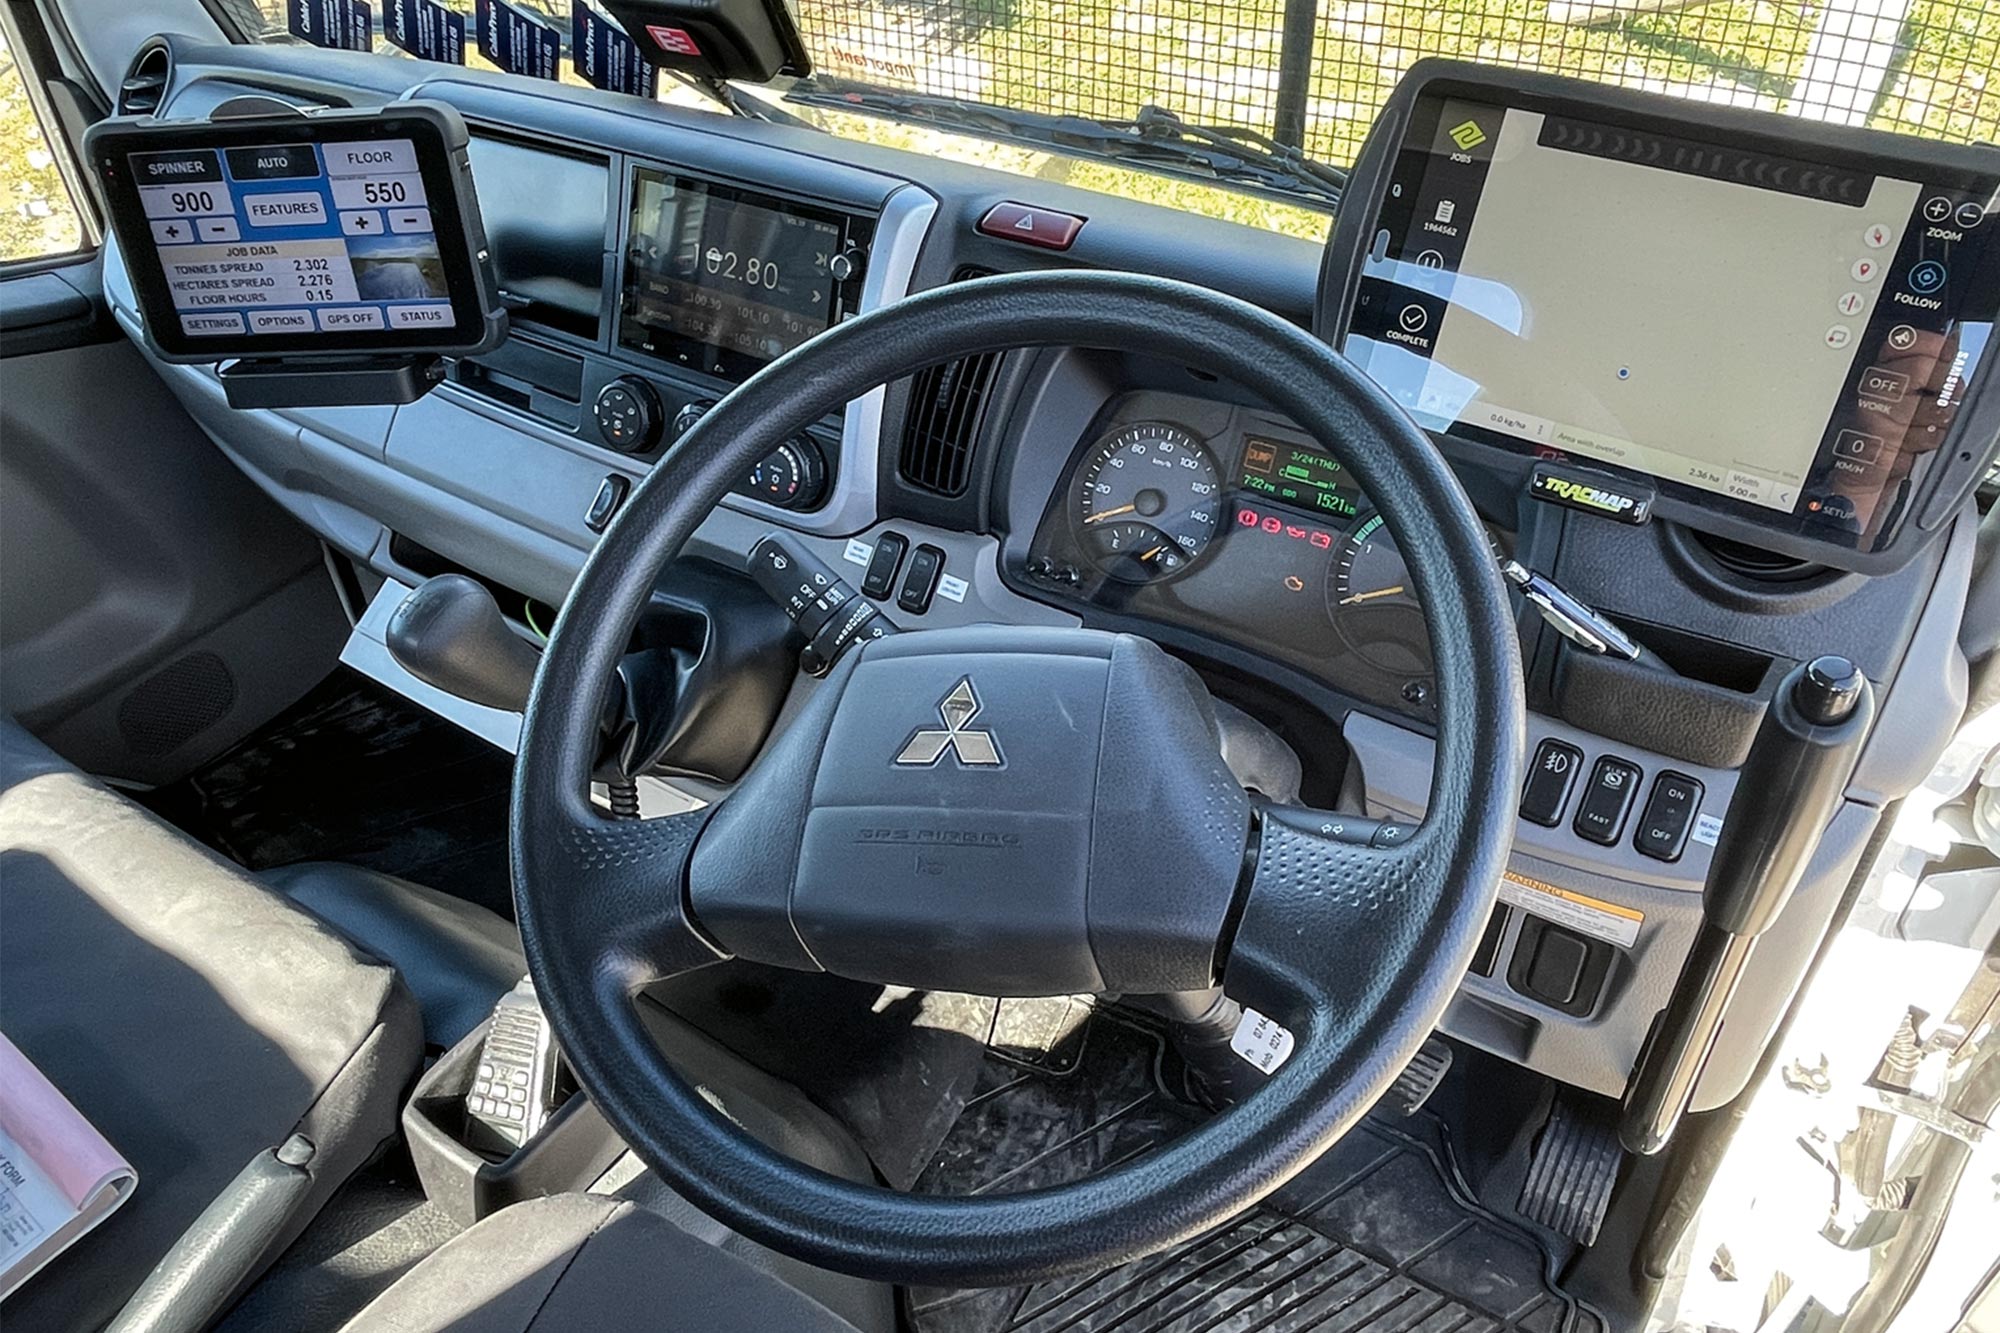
column 449, row 633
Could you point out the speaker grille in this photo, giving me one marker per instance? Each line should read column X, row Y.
column 175, row 704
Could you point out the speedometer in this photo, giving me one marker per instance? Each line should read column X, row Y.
column 1148, row 501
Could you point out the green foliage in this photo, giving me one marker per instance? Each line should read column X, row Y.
column 37, row 217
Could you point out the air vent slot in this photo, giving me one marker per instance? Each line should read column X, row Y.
column 145, row 84
column 947, row 404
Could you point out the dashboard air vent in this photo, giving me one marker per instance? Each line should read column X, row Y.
column 146, row 82
column 1756, row 562
column 946, row 404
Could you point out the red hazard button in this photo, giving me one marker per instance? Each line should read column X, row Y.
column 1032, row 226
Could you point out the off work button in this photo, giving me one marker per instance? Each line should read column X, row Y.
column 348, row 320
column 430, row 315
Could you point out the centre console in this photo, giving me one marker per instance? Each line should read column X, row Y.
column 641, row 291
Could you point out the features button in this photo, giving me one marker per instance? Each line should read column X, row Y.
column 1876, row 236
column 926, row 565
column 284, row 210
column 882, row 565
column 1669, row 814
column 1607, row 799
column 1884, row 386
column 1551, row 778
column 1937, row 208
column 1032, row 226
column 1927, row 277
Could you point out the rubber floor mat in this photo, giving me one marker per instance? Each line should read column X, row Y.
column 354, row 772
column 1376, row 1237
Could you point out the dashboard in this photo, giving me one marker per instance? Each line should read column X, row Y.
column 1227, row 520
column 650, row 258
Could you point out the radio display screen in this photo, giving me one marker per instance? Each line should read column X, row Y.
column 1790, row 339
column 724, row 280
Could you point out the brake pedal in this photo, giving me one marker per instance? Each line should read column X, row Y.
column 1576, row 1163
column 1419, row 1079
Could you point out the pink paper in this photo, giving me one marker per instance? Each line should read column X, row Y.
column 72, row 1154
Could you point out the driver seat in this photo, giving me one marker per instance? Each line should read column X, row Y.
column 586, row 1261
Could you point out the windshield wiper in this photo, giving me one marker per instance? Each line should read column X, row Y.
column 1156, row 138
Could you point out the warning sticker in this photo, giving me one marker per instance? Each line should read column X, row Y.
column 1264, row 1042
column 1589, row 916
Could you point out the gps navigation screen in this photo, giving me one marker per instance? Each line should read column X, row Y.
column 295, row 238
column 1786, row 334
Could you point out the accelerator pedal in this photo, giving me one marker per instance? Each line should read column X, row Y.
column 1419, row 1079
column 1576, row 1163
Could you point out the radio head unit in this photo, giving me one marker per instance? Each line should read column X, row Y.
column 724, row 280
column 337, row 233
column 1781, row 325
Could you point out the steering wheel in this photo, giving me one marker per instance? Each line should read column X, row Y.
column 1012, row 811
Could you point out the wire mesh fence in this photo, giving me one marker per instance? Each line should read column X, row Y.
column 1929, row 67
column 1314, row 72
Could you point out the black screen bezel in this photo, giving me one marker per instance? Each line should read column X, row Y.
column 1957, row 465
column 478, row 322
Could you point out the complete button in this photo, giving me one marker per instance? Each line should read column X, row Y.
column 1031, row 226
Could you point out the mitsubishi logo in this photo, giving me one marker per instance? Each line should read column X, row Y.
column 973, row 749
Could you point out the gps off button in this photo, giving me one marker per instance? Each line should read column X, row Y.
column 347, row 321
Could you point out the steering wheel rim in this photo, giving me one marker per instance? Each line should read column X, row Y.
column 1356, row 949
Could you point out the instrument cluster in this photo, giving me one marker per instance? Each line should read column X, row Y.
column 1231, row 522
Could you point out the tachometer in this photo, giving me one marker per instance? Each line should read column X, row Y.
column 1148, row 501
column 1373, row 602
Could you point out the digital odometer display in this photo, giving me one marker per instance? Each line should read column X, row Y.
column 723, row 280
column 283, row 240
column 1296, row 475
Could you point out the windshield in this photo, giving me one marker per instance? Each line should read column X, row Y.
column 1311, row 74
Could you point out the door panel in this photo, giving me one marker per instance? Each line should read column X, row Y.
column 155, row 606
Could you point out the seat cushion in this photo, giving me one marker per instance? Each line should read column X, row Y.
column 457, row 957
column 581, row 1261
column 192, row 1014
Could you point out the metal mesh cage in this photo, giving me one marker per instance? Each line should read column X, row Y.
column 1314, row 72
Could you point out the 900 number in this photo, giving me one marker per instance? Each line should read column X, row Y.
column 194, row 201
